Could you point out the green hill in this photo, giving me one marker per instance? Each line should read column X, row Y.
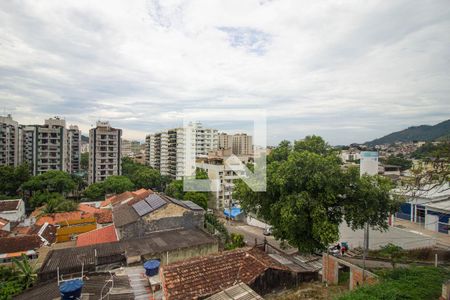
column 416, row 133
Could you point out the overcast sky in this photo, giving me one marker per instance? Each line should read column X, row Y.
column 349, row 72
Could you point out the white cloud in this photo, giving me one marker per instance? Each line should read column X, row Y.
column 350, row 71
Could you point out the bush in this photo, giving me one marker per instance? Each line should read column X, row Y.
column 419, row 283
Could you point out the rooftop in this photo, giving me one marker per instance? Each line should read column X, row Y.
column 102, row 235
column 207, row 275
column 9, row 205
column 239, row 291
column 19, row 243
column 68, row 259
column 61, row 217
column 93, row 285
column 3, row 223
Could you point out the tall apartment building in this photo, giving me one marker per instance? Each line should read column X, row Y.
column 240, row 144
column 10, row 142
column 74, row 148
column 168, row 151
column 45, row 147
column 104, row 152
column 225, row 141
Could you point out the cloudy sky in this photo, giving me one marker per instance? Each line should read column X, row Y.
column 349, row 72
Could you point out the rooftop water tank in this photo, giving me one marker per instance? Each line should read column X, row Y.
column 151, row 267
column 71, row 289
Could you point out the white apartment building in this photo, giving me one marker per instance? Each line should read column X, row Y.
column 74, row 148
column 46, row 147
column 240, row 143
column 224, row 176
column 173, row 152
column 105, row 152
column 10, row 142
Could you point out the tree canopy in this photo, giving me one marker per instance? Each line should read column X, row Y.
column 143, row 176
column 309, row 194
column 12, row 178
column 117, row 184
column 53, row 181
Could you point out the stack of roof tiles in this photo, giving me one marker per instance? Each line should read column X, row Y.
column 207, row 275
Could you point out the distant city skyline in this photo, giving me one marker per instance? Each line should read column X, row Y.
column 347, row 71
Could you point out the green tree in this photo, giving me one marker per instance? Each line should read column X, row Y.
column 95, row 191
column 53, row 181
column 27, row 273
column 146, row 178
column 309, row 194
column 199, row 198
column 12, row 178
column 117, row 184
column 175, row 189
column 400, row 161
column 236, row 241
column 54, row 202
column 84, row 161
column 393, row 252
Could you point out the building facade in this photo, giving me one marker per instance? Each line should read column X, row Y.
column 10, row 142
column 105, row 152
column 173, row 152
column 74, row 148
column 240, row 143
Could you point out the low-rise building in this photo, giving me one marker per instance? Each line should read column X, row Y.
column 155, row 213
column 13, row 247
column 427, row 207
column 12, row 210
column 186, row 279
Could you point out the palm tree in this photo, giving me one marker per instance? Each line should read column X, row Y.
column 27, row 273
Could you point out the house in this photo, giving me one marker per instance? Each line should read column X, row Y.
column 201, row 277
column 98, row 236
column 428, row 207
column 155, row 213
column 102, row 216
column 5, row 225
column 12, row 210
column 125, row 197
column 96, row 286
column 167, row 246
column 11, row 247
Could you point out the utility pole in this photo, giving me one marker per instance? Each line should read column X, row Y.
column 366, row 247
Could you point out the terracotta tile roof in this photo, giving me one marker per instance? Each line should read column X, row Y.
column 87, row 208
column 207, row 275
column 104, row 216
column 60, row 217
column 7, row 205
column 21, row 230
column 99, row 236
column 3, row 222
column 19, row 243
column 126, row 196
column 4, row 233
column 143, row 193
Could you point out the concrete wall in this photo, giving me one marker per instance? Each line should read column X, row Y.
column 330, row 272
column 171, row 216
column 177, row 254
column 397, row 236
column 255, row 222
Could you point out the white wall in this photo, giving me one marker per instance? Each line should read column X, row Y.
column 257, row 223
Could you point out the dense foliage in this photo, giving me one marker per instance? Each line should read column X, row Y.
column 52, row 181
column 175, row 189
column 415, row 283
column 400, row 161
column 12, row 178
column 53, row 202
column 215, row 223
column 111, row 185
column 309, row 194
column 84, row 161
column 17, row 278
column 143, row 176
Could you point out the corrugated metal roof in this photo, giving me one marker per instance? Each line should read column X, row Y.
column 239, row 291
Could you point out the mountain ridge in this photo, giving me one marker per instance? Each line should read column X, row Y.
column 426, row 133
